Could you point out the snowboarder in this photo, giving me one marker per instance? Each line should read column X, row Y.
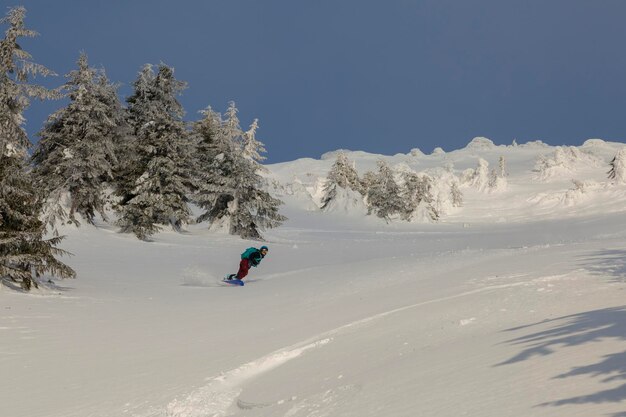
column 251, row 257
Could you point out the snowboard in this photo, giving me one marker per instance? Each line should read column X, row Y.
column 234, row 281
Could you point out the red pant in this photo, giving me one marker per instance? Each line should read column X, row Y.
column 244, row 267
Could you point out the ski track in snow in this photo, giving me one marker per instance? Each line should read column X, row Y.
column 216, row 398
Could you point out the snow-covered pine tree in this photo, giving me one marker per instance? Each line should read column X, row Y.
column 497, row 178
column 131, row 166
column 219, row 153
column 252, row 148
column 343, row 175
column 76, row 153
column 502, row 166
column 417, row 191
column 215, row 160
column 480, row 177
column 383, row 193
column 617, row 172
column 160, row 176
column 456, row 195
column 367, row 180
column 24, row 252
column 235, row 187
column 493, row 179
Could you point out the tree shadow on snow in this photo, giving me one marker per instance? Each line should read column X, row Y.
column 575, row 330
column 45, row 286
column 609, row 263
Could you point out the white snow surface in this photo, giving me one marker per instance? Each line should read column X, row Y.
column 512, row 305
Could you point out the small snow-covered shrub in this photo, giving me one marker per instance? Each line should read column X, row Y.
column 564, row 161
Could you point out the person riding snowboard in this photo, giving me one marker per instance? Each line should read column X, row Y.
column 251, row 257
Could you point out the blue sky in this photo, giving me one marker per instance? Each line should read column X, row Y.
column 380, row 76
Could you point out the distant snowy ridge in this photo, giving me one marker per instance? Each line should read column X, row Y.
column 481, row 171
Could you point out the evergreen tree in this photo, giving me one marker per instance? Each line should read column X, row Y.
column 220, row 156
column 367, row 181
column 383, row 193
column 241, row 203
column 418, row 192
column 215, row 160
column 252, row 148
column 493, row 179
column 24, row 252
column 76, row 153
column 480, row 176
column 132, row 165
column 159, row 179
column 497, row 178
column 502, row 165
column 343, row 175
column 617, row 172
column 456, row 195
column 230, row 188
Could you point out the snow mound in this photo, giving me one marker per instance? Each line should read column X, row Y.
column 332, row 155
column 498, row 184
column 296, row 193
column 480, row 143
column 534, row 144
column 422, row 214
column 346, row 202
column 589, row 143
column 316, row 190
column 580, row 192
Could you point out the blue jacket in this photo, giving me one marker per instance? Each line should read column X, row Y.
column 255, row 258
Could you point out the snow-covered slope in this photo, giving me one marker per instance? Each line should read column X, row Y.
column 512, row 305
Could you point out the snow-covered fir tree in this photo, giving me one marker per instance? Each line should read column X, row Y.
column 497, row 178
column 219, row 154
column 617, row 172
column 158, row 179
column 342, row 175
column 493, row 178
column 367, row 180
column 251, row 209
column 231, row 189
column 456, row 195
column 502, row 168
column 75, row 156
column 24, row 252
column 252, row 148
column 214, row 158
column 383, row 193
column 417, row 196
column 480, row 177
